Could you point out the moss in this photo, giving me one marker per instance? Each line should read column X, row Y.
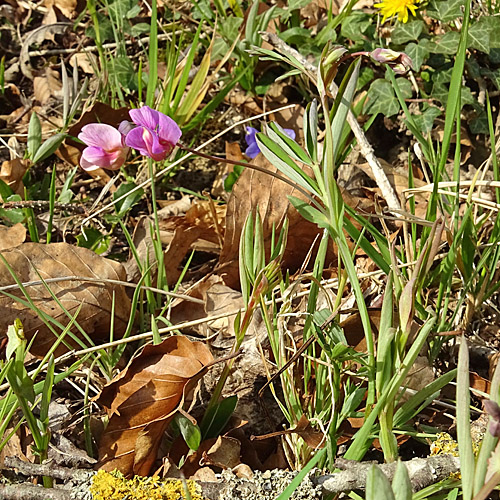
column 114, row 486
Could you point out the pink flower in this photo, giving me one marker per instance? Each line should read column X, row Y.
column 400, row 62
column 106, row 147
column 155, row 135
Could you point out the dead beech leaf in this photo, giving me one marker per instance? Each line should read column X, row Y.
column 47, row 86
column 69, row 8
column 11, row 237
column 254, row 188
column 224, row 453
column 86, row 61
column 312, row 437
column 12, row 173
column 55, row 261
column 222, row 299
column 143, row 399
column 195, row 229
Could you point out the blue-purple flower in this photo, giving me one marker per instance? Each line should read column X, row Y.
column 155, row 134
column 253, row 148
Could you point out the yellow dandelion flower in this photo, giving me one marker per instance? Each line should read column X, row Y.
column 389, row 8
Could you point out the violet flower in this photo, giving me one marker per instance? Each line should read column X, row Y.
column 155, row 135
column 253, row 148
column 105, row 147
column 494, row 410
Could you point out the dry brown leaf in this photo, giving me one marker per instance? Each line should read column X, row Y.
column 12, row 174
column 47, row 86
column 69, row 8
column 144, row 248
column 254, row 188
column 233, row 152
column 143, row 399
column 222, row 299
column 224, row 453
column 196, row 229
column 86, row 61
column 55, row 261
column 11, row 237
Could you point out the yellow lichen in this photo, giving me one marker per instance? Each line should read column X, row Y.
column 114, row 486
column 446, row 445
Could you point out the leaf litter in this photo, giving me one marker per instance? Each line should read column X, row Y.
column 143, row 398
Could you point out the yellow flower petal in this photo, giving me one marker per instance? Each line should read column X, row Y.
column 390, row 8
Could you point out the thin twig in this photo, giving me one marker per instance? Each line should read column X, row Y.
column 103, row 281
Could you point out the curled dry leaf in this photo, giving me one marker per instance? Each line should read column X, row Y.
column 143, row 399
column 11, row 237
column 56, row 261
column 254, row 188
column 196, row 229
column 38, row 35
column 12, row 173
column 47, row 86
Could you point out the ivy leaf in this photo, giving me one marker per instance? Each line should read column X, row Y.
column 404, row 32
column 355, row 26
column 445, row 10
column 381, row 97
column 479, row 124
column 418, row 54
column 479, row 36
column 425, row 121
column 440, row 91
column 494, row 76
column 447, row 44
column 125, row 73
column 493, row 23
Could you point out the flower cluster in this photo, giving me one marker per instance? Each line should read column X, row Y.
column 152, row 133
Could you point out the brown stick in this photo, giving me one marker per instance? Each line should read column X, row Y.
column 26, row 491
column 422, row 471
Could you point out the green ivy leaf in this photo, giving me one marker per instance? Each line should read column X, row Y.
column 445, row 10
column 479, row 36
column 446, row 44
column 494, row 76
column 440, row 91
column 479, row 124
column 404, row 32
column 418, row 54
column 381, row 97
column 355, row 25
column 493, row 23
column 425, row 121
column 443, row 75
column 125, row 73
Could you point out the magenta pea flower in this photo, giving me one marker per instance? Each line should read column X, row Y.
column 253, row 148
column 105, row 147
column 155, row 134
